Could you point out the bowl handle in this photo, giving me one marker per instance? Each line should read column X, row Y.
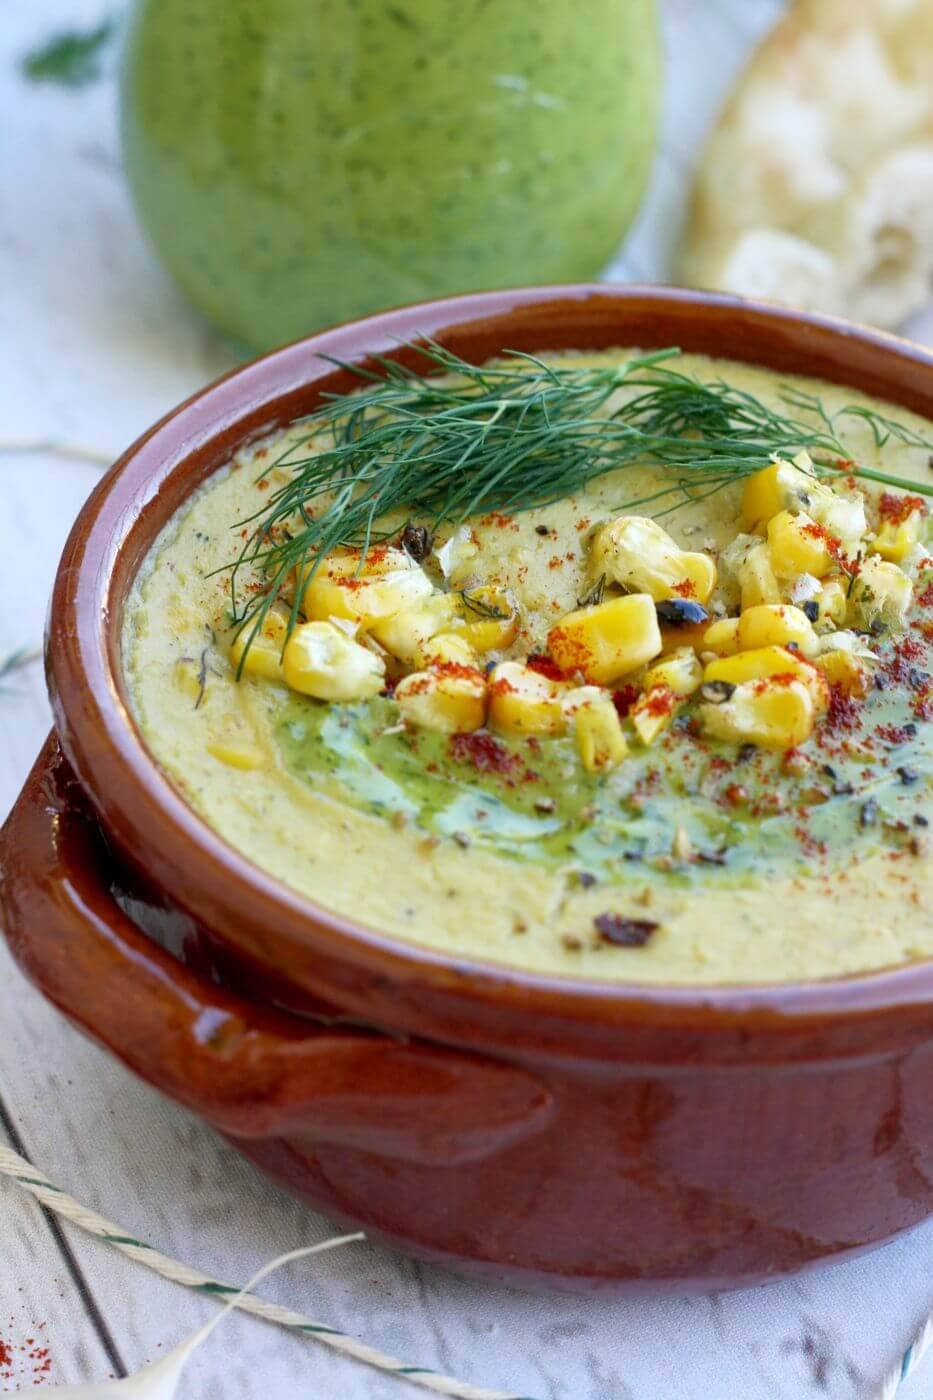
column 251, row 1071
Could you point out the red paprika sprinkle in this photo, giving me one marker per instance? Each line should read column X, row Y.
column 896, row 509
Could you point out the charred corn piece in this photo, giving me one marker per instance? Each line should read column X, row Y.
column 895, row 539
column 443, row 648
column 831, row 602
column 521, row 701
column 405, row 632
column 637, row 553
column 848, row 671
column 722, row 636
column 880, row 592
column 842, row 516
column 770, row 661
column 778, row 625
column 607, row 640
column 261, row 651
column 653, row 711
column 321, row 660
column 388, row 582
column 451, row 699
column 757, row 580
column 489, row 618
column 600, row 741
column 798, row 545
column 681, row 671
column 779, row 486
column 773, row 713
column 234, row 754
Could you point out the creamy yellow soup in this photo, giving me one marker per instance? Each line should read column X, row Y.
column 691, row 860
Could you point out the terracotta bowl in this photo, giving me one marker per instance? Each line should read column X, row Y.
column 545, row 1131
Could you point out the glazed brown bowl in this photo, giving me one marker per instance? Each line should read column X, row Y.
column 543, row 1130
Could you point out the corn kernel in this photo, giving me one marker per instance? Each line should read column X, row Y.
column 832, row 603
column 779, row 625
column 444, row 648
column 521, row 701
column 774, row 488
column 490, row 618
column 894, row 541
column 389, row 582
column 236, row 755
column 841, row 516
column 635, row 552
column 722, row 636
column 774, row 714
column 404, row 632
column 607, row 640
column 322, row 661
column 578, row 696
column 600, row 741
column 680, row 671
column 797, row 545
column 757, row 580
column 880, row 592
column 451, row 700
column 851, row 673
column 186, row 674
column 770, row 661
column 652, row 712
column 264, row 649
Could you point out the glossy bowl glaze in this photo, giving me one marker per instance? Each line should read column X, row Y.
column 546, row 1131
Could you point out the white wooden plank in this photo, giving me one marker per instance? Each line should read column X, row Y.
column 45, row 1333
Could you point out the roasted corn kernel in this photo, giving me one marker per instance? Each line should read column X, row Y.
column 489, row 618
column 388, row 582
column 653, row 711
column 445, row 647
column 521, row 701
column 773, row 713
column 895, row 539
column 451, row 699
column 600, row 741
column 263, row 648
column 637, row 553
column 681, row 671
column 797, row 545
column 607, row 640
column 851, row 673
column 779, row 486
column 779, row 625
column 770, row 661
column 236, row 754
column 757, row 580
column 321, row 660
column 880, row 592
column 831, row 604
column 722, row 636
column 404, row 632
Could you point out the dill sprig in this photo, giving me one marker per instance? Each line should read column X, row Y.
column 459, row 440
column 16, row 661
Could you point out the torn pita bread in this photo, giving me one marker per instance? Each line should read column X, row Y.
column 816, row 188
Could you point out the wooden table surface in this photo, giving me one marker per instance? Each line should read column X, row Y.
column 95, row 345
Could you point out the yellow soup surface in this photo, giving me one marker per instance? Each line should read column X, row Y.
column 528, row 751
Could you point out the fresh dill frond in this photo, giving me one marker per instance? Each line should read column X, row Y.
column 16, row 661
column 460, row 440
column 73, row 58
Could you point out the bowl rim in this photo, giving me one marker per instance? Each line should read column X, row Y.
column 143, row 808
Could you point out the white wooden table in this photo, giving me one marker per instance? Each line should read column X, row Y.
column 95, row 344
